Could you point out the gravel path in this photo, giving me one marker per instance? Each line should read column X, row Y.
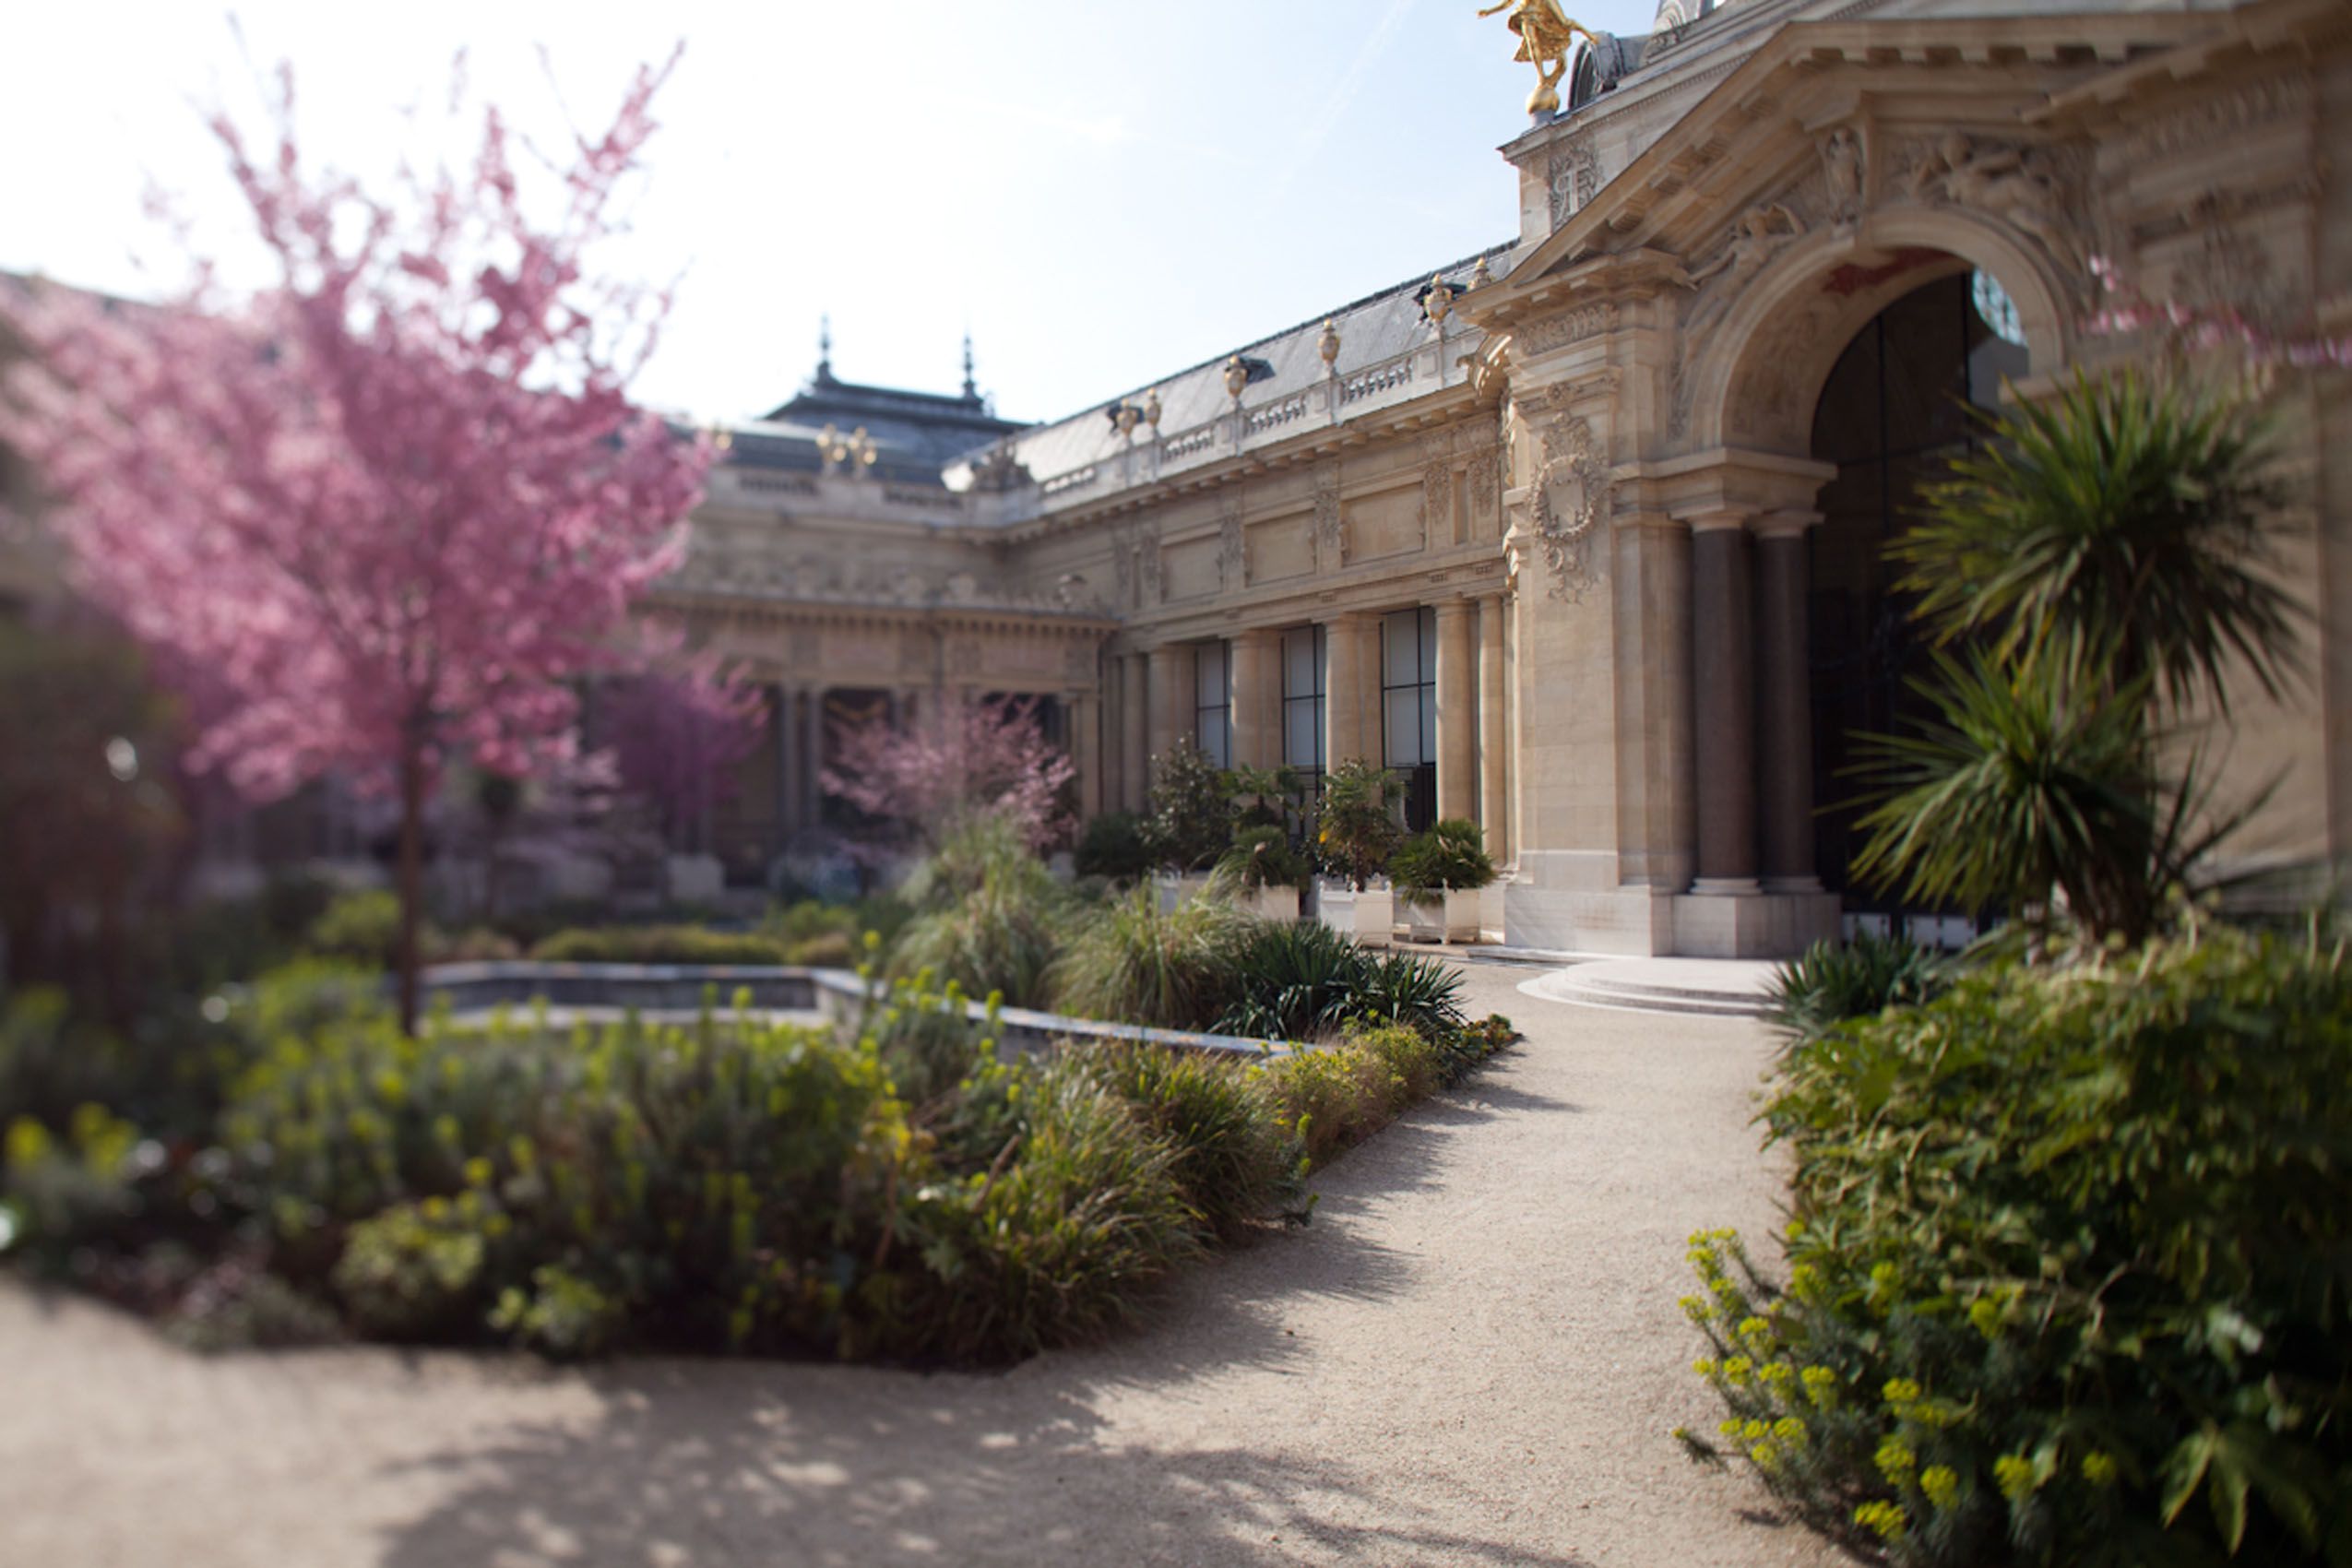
column 1472, row 1356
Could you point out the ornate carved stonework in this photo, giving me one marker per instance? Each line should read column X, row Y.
column 1330, row 526
column 914, row 653
column 2214, row 120
column 1571, row 326
column 1571, row 496
column 2023, row 186
column 1232, row 550
column 1574, row 174
column 1437, row 502
column 1842, row 174
column 1150, row 573
column 1078, row 661
column 1123, row 569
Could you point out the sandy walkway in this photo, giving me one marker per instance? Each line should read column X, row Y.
column 1472, row 1356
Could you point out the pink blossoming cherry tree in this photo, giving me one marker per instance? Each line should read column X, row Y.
column 379, row 516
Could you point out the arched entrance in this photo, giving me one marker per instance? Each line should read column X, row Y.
column 1891, row 415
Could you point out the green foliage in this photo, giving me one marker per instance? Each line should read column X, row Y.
column 1450, row 857
column 1357, row 827
column 2069, row 1283
column 1234, row 1161
column 1305, row 981
column 1261, row 857
column 1831, row 982
column 2127, row 514
column 413, row 1272
column 818, row 935
column 1134, row 963
column 659, row 944
column 927, row 1039
column 363, row 926
column 993, row 920
column 1192, row 809
column 1116, row 845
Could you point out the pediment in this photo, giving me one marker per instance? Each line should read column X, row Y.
column 1766, row 127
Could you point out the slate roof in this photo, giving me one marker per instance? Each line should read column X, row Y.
column 917, row 434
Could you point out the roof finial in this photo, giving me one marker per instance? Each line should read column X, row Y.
column 825, row 347
column 971, row 387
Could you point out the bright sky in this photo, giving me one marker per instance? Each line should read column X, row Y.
column 1102, row 193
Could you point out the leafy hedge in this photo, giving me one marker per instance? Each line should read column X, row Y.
column 2070, row 1280
column 660, row 945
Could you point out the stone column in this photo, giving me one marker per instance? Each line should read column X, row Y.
column 1135, row 737
column 812, row 760
column 1173, row 701
column 1346, row 659
column 1723, row 687
column 1494, row 813
column 1784, row 705
column 1086, row 750
column 1257, row 699
column 787, row 791
column 1458, row 733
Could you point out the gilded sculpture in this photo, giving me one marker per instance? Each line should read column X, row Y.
column 1546, row 37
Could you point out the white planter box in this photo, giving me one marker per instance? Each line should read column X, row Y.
column 1273, row 904
column 1335, row 907
column 1375, row 917
column 1452, row 918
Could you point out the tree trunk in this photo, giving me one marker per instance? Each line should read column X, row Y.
column 411, row 878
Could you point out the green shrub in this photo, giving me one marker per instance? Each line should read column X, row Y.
column 1053, row 1246
column 1355, row 827
column 1235, row 1163
column 926, row 1040
column 413, row 1272
column 237, row 1306
column 1831, row 983
column 1304, row 981
column 2069, row 1281
column 1114, row 845
column 1332, row 1097
column 1261, row 857
column 363, row 926
column 993, row 917
column 1191, row 810
column 1133, row 963
column 658, row 944
column 1450, row 857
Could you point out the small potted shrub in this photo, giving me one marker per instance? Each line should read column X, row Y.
column 1267, row 871
column 1191, row 823
column 1437, row 876
column 1356, row 831
column 1115, row 846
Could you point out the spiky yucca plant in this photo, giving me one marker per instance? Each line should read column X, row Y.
column 2128, row 512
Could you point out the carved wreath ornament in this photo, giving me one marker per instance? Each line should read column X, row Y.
column 1573, row 490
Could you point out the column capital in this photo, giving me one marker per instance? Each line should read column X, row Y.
column 1790, row 523
column 1458, row 605
column 1257, row 637
column 1719, row 521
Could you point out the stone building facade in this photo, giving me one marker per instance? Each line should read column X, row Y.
column 1584, row 532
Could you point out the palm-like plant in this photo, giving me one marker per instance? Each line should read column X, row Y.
column 2036, row 779
column 1356, row 827
column 2127, row 512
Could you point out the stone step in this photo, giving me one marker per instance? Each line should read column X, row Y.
column 1697, row 988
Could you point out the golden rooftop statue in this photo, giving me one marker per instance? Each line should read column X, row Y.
column 1546, row 35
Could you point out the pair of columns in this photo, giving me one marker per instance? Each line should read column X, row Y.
column 1751, row 704
column 1157, row 700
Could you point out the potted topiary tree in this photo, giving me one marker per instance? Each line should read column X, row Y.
column 1268, row 873
column 1437, row 876
column 1356, row 831
column 1191, row 821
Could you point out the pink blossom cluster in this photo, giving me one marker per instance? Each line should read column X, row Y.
column 382, row 514
column 2205, row 328
column 965, row 758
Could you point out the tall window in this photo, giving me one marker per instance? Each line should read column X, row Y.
column 1213, row 703
column 1408, row 708
column 1303, row 704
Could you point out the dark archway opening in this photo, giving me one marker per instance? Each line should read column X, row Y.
column 1891, row 416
